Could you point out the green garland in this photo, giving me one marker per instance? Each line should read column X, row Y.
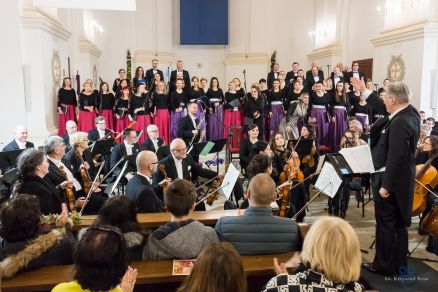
column 128, row 65
column 273, row 59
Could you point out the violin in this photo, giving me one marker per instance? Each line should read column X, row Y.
column 163, row 171
column 70, row 198
column 309, row 159
column 285, row 197
column 85, row 175
column 213, row 197
column 426, row 174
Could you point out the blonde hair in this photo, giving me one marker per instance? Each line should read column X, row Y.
column 331, row 247
column 77, row 138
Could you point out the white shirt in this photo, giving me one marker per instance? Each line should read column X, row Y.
column 101, row 133
column 275, row 75
column 316, row 78
column 128, row 148
column 178, row 166
column 336, row 79
column 155, row 143
column 21, row 145
column 148, row 178
column 356, row 75
column 67, row 171
column 193, row 120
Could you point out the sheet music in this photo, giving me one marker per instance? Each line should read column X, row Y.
column 328, row 180
column 359, row 159
column 229, row 181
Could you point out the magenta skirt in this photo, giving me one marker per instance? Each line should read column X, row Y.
column 109, row 118
column 175, row 117
column 70, row 115
column 121, row 125
column 86, row 121
column 162, row 121
column 142, row 122
column 232, row 118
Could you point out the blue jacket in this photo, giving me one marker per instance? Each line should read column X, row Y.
column 259, row 232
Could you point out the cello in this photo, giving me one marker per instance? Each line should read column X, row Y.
column 426, row 174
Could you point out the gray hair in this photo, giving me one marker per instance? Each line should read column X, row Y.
column 399, row 91
column 51, row 143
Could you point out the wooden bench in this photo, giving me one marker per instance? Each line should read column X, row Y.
column 156, row 274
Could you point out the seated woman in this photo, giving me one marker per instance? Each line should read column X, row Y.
column 26, row 244
column 245, row 154
column 428, row 153
column 331, row 260
column 100, row 263
column 120, row 212
column 218, row 268
column 32, row 168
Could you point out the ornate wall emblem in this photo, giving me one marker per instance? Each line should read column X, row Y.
column 56, row 68
column 396, row 69
column 95, row 76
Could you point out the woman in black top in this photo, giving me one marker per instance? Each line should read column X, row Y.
column 292, row 95
column 121, row 109
column 254, row 110
column 88, row 101
column 123, row 83
column 178, row 101
column 106, row 105
column 362, row 111
column 154, row 82
column 233, row 114
column 67, row 105
column 319, row 113
column 160, row 101
column 245, row 153
column 339, row 108
column 215, row 119
column 139, row 110
column 32, row 168
column 275, row 107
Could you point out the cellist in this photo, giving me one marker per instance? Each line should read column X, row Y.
column 286, row 167
column 427, row 150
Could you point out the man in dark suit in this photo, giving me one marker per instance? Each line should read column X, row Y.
column 275, row 72
column 128, row 147
column 150, row 74
column 431, row 123
column 393, row 145
column 179, row 165
column 291, row 75
column 140, row 189
column 354, row 73
column 179, row 73
column 100, row 131
column 19, row 141
column 315, row 76
column 337, row 77
column 311, row 73
column 71, row 128
column 188, row 126
column 153, row 142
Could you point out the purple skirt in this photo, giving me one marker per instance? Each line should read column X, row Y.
column 338, row 128
column 363, row 119
column 200, row 116
column 321, row 126
column 215, row 128
column 277, row 115
column 175, row 117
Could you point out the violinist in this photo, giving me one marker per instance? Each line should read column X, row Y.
column 428, row 150
column 309, row 161
column 101, row 131
column 54, row 147
column 79, row 161
column 338, row 205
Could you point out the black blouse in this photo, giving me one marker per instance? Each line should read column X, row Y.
column 108, row 101
column 67, row 97
column 160, row 101
column 229, row 97
column 362, row 109
column 121, row 103
column 245, row 153
column 137, row 102
column 88, row 100
column 218, row 94
column 178, row 100
column 274, row 96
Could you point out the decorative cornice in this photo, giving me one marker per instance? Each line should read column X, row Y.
column 165, row 57
column 85, row 46
column 143, row 56
column 333, row 50
column 251, row 58
column 413, row 31
column 33, row 18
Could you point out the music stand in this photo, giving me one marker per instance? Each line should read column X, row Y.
column 8, row 159
column 132, row 165
column 163, row 151
column 218, row 146
column 102, row 147
column 197, row 148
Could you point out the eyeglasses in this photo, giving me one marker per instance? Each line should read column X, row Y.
column 101, row 123
column 180, row 150
column 154, row 131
